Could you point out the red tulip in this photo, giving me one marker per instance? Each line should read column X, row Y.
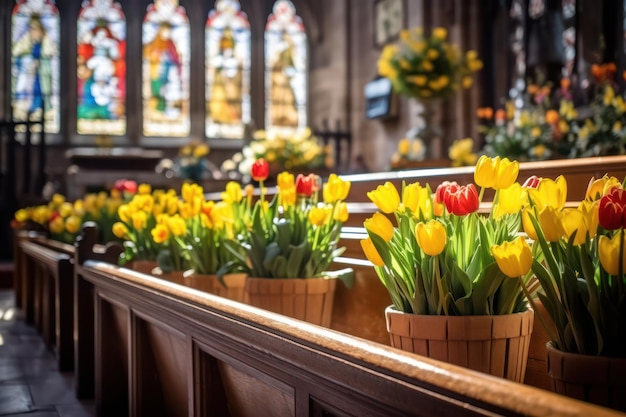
column 612, row 210
column 260, row 170
column 444, row 189
column 125, row 186
column 531, row 182
column 463, row 201
column 306, row 185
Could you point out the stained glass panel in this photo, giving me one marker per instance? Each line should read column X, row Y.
column 165, row 85
column 35, row 62
column 227, row 54
column 101, row 68
column 285, row 69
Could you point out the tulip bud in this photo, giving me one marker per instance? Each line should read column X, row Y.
column 260, row 170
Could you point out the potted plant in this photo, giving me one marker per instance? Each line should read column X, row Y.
column 289, row 244
column 448, row 269
column 580, row 262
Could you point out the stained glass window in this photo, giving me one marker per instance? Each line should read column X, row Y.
column 35, row 62
column 227, row 70
column 101, row 68
column 165, row 85
column 285, row 69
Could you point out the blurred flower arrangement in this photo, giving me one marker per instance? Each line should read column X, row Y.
column 298, row 151
column 62, row 220
column 408, row 150
column 461, row 153
column 444, row 258
column 295, row 235
column 192, row 161
column 425, row 67
column 535, row 132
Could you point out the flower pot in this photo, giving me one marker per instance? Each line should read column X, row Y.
column 232, row 288
column 596, row 379
column 497, row 345
column 308, row 299
column 145, row 267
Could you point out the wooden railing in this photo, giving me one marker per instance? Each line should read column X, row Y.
column 165, row 349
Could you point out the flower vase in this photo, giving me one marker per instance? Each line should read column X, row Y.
column 497, row 345
column 596, row 379
column 427, row 128
column 308, row 299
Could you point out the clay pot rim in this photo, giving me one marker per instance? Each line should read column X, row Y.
column 550, row 347
column 393, row 310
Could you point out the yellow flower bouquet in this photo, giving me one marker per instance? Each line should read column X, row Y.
column 427, row 66
column 295, row 235
column 443, row 257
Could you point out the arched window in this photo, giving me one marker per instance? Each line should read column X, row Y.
column 285, row 69
column 227, row 54
column 35, row 62
column 165, row 85
column 101, row 68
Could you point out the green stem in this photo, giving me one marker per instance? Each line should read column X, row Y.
column 440, row 287
column 548, row 330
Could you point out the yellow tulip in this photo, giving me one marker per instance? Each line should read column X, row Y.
column 341, row 212
column 590, row 213
column 608, row 250
column 385, row 197
column 73, row 223
column 371, row 253
column 58, row 199
column 139, row 220
column 285, row 180
column 550, row 221
column 573, row 220
column 124, row 212
column 431, row 237
column 550, row 192
column 417, row 199
column 232, row 193
column 404, row 146
column 335, row 189
column 495, row 173
column 513, row 258
column 509, row 201
column 527, row 224
column 66, row 209
column 319, row 215
column 120, row 230
column 144, row 189
column 176, row 225
column 287, row 196
column 160, row 233
column 380, row 225
column 22, row 215
column 57, row 225
column 598, row 188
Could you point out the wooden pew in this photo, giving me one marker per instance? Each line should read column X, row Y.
column 52, row 280
column 165, row 349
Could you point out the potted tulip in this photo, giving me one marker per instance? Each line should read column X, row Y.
column 453, row 273
column 290, row 243
column 580, row 262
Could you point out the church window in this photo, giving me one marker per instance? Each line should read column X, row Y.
column 227, row 66
column 165, row 72
column 35, row 71
column 101, row 68
column 285, row 69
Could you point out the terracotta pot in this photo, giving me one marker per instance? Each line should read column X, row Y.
column 232, row 288
column 145, row 267
column 597, row 379
column 308, row 299
column 497, row 345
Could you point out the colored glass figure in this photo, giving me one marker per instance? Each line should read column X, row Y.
column 35, row 62
column 166, row 70
column 228, row 70
column 101, row 69
column 285, row 69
